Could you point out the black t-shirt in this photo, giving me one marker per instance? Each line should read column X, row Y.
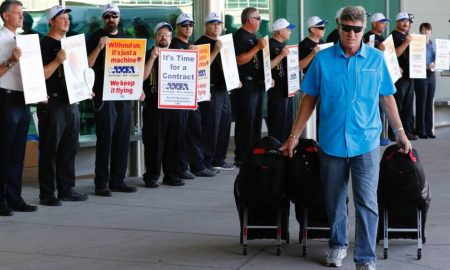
column 333, row 36
column 150, row 85
column 99, row 65
column 279, row 72
column 216, row 70
column 56, row 84
column 179, row 44
column 305, row 47
column 378, row 38
column 244, row 42
column 403, row 60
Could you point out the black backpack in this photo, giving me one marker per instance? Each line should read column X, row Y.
column 303, row 174
column 402, row 178
column 261, row 178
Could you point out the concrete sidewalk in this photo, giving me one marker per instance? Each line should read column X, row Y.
column 195, row 227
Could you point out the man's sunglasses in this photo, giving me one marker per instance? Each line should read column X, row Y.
column 320, row 28
column 187, row 25
column 107, row 17
column 348, row 28
column 258, row 18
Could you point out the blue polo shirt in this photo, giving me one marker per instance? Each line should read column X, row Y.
column 349, row 91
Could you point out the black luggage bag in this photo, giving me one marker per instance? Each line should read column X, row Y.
column 260, row 192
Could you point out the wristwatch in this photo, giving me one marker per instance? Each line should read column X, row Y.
column 9, row 64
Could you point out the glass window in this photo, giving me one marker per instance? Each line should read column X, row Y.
column 138, row 19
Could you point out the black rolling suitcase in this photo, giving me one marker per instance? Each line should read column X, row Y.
column 403, row 198
column 305, row 190
column 260, row 194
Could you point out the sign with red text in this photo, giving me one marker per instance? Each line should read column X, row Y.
column 124, row 69
column 229, row 64
column 442, row 54
column 293, row 74
column 203, row 79
column 390, row 56
column 177, row 79
column 417, row 57
column 74, row 67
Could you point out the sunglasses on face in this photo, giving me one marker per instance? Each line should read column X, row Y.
column 320, row 28
column 258, row 18
column 349, row 28
column 107, row 17
column 187, row 25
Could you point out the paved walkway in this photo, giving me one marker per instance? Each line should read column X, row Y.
column 195, row 227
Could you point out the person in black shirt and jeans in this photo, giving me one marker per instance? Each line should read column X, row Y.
column 405, row 87
column 307, row 48
column 280, row 114
column 378, row 21
column 112, row 118
column 215, row 114
column 248, row 99
column 59, row 121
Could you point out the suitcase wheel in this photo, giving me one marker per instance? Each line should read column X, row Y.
column 244, row 250
column 385, row 253
column 419, row 253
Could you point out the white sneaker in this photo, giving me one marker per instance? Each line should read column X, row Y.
column 366, row 266
column 335, row 257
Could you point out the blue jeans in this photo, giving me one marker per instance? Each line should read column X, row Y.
column 335, row 173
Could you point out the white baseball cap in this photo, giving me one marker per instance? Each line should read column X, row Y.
column 212, row 18
column 379, row 17
column 339, row 12
column 110, row 8
column 316, row 21
column 56, row 11
column 184, row 18
column 281, row 24
column 161, row 25
column 403, row 16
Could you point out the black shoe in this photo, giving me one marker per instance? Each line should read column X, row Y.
column 124, row 188
column 104, row 192
column 5, row 211
column 431, row 136
column 22, row 206
column 205, row 173
column 423, row 136
column 411, row 136
column 173, row 182
column 187, row 175
column 50, row 201
column 73, row 197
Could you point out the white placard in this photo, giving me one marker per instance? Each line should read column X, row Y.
column 390, row 56
column 371, row 41
column 177, row 79
column 32, row 68
column 267, row 67
column 442, row 61
column 325, row 45
column 74, row 68
column 229, row 64
column 293, row 74
column 417, row 57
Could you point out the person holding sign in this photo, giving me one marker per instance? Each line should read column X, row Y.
column 425, row 88
column 216, row 114
column 59, row 121
column 161, row 129
column 350, row 79
column 248, row 99
column 405, row 88
column 112, row 118
column 14, row 113
column 280, row 112
column 378, row 22
column 308, row 48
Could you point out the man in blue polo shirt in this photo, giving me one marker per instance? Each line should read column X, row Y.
column 350, row 79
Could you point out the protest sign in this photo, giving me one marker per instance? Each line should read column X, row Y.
column 442, row 54
column 267, row 67
column 229, row 64
column 203, row 80
column 293, row 74
column 417, row 57
column 390, row 57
